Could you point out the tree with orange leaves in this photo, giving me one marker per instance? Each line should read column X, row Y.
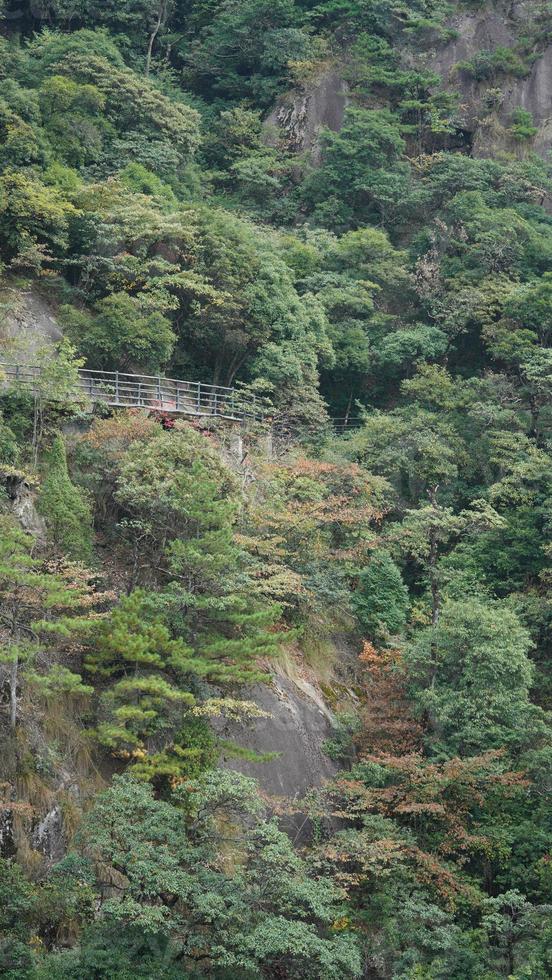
column 387, row 721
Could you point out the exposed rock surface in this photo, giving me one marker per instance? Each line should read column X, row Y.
column 490, row 27
column 296, row 121
column 299, row 721
column 48, row 837
column 22, row 501
column 27, row 326
column 300, row 115
column 7, row 844
column 495, row 25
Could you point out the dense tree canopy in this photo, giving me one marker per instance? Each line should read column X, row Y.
column 386, row 295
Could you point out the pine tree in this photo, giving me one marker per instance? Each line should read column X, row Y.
column 41, row 607
column 380, row 600
column 134, row 650
column 154, row 704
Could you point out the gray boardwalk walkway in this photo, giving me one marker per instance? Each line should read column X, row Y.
column 156, row 393
column 123, row 390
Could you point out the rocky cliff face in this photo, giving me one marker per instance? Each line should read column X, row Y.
column 300, row 115
column 21, row 501
column 27, row 326
column 296, row 724
column 486, row 105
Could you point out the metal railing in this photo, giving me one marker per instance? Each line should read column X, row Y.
column 345, row 424
column 153, row 392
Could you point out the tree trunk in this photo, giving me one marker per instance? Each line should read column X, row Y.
column 348, row 410
column 13, row 693
column 510, row 949
column 433, row 555
column 161, row 12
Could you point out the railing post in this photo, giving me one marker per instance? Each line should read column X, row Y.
column 177, row 399
column 117, row 387
column 159, row 398
column 199, row 397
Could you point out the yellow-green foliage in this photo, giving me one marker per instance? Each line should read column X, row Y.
column 65, row 507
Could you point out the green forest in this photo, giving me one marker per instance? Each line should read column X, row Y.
column 343, row 209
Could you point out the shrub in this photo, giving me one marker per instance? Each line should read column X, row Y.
column 65, row 507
